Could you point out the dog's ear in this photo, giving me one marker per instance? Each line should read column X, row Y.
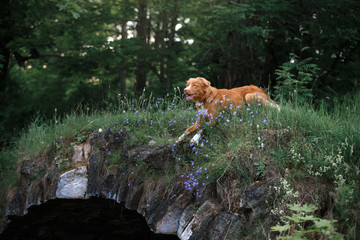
column 205, row 82
column 206, row 87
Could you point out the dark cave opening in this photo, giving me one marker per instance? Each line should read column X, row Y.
column 90, row 219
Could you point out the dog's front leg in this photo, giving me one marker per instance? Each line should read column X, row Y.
column 188, row 131
column 211, row 121
column 196, row 138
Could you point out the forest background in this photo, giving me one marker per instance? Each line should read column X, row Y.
column 60, row 56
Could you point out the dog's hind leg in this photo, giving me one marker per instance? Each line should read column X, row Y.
column 262, row 98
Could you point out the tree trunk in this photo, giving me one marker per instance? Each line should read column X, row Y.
column 123, row 71
column 5, row 65
column 5, row 27
column 173, row 22
column 141, row 29
column 238, row 73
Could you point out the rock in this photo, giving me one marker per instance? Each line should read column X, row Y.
column 160, row 157
column 201, row 232
column 78, row 154
column 167, row 208
column 72, row 184
column 30, row 167
column 94, row 173
column 197, row 226
column 169, row 223
column 185, row 218
column 226, row 225
column 87, row 150
column 134, row 194
column 258, row 198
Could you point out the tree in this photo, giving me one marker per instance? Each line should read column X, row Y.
column 242, row 42
column 142, row 34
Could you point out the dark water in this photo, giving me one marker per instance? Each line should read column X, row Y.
column 91, row 219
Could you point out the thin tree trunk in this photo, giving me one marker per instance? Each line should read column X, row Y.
column 123, row 71
column 171, row 44
column 141, row 29
column 5, row 27
column 5, row 66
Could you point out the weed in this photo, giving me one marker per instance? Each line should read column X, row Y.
column 302, row 224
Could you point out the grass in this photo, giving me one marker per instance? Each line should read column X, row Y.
column 257, row 143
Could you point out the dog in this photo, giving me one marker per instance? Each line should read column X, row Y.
column 209, row 101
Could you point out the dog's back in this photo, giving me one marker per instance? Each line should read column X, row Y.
column 240, row 95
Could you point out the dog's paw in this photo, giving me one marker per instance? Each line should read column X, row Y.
column 195, row 139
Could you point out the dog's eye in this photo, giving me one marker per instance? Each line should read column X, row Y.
column 195, row 85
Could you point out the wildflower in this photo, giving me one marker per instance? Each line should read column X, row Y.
column 100, row 130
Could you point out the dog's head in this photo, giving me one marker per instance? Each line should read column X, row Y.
column 196, row 89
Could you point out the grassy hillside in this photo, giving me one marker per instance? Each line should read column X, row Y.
column 315, row 152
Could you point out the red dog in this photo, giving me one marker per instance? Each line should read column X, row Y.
column 210, row 101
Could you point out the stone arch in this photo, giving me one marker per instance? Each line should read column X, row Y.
column 167, row 210
column 93, row 218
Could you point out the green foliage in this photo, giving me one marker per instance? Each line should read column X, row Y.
column 72, row 7
column 68, row 64
column 254, row 144
column 68, row 54
column 296, row 77
column 304, row 225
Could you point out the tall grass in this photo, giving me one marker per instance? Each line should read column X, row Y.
column 256, row 143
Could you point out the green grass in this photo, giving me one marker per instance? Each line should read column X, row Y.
column 257, row 143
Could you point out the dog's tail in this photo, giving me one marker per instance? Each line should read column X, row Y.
column 272, row 104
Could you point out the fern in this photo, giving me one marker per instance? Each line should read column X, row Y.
column 296, row 77
column 303, row 225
